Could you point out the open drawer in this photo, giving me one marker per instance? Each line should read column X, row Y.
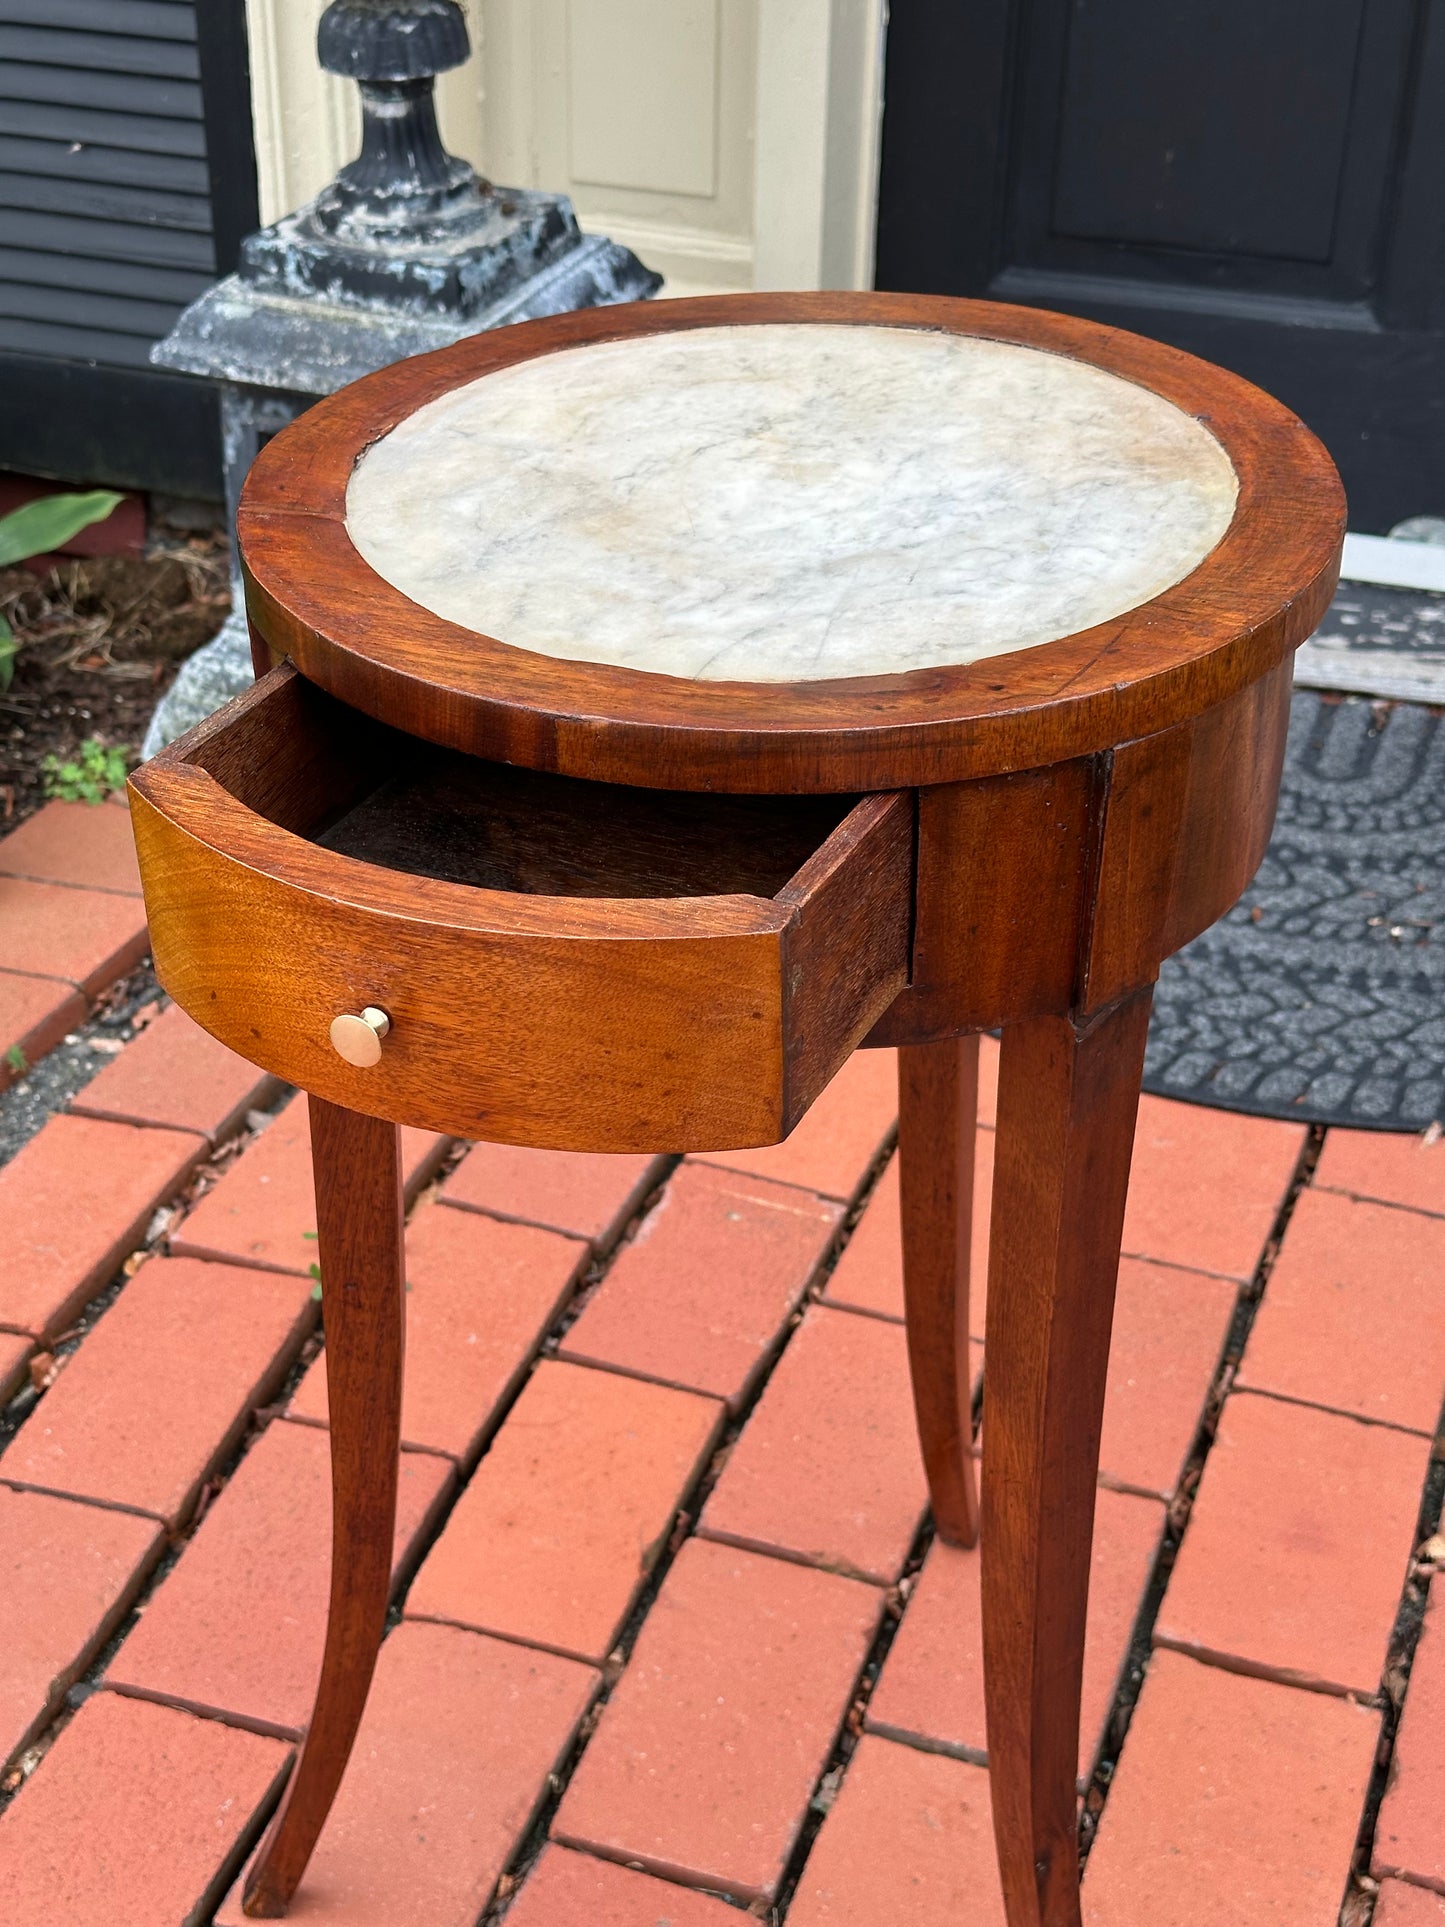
column 562, row 962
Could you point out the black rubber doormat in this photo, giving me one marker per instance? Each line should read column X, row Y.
column 1321, row 996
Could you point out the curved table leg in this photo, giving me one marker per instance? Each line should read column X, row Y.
column 937, row 1117
column 359, row 1215
column 1068, row 1101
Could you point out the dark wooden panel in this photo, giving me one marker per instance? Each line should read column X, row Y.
column 83, row 343
column 113, row 166
column 162, row 19
column 97, row 200
column 84, row 308
column 65, row 121
column 78, row 87
column 73, row 234
column 127, row 180
column 116, row 53
column 1120, row 160
column 1221, row 127
column 943, row 153
column 126, row 427
column 230, row 153
column 174, row 285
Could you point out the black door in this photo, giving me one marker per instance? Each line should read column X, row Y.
column 1261, row 182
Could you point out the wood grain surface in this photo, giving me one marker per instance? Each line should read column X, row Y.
column 1249, row 603
column 644, row 1022
column 937, row 1125
column 1068, row 1095
column 657, row 915
column 359, row 1214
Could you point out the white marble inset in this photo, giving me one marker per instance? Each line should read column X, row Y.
column 790, row 503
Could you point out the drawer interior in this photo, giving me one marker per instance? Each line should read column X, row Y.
column 332, row 775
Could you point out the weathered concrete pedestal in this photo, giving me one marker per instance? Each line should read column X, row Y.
column 408, row 249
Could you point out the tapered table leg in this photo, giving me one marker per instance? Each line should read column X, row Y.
column 359, row 1216
column 1068, row 1100
column 937, row 1118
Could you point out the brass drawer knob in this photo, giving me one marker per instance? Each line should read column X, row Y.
column 358, row 1039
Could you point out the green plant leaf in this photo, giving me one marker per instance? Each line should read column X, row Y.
column 90, row 776
column 41, row 526
column 15, row 1060
column 9, row 650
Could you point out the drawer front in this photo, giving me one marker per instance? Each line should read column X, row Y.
column 578, row 1023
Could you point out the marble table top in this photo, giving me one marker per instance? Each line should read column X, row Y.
column 790, row 503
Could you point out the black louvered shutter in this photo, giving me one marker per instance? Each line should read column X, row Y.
column 108, row 218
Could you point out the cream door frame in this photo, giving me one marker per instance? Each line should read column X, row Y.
column 737, row 139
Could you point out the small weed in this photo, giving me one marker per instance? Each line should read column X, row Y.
column 15, row 1060
column 89, row 777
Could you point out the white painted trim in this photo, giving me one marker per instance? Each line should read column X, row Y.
column 791, row 142
column 855, row 139
column 1392, row 563
column 817, row 137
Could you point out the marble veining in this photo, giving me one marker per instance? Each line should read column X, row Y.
column 790, row 503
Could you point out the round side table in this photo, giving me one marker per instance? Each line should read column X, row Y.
column 655, row 704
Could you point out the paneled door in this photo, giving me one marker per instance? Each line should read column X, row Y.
column 1259, row 181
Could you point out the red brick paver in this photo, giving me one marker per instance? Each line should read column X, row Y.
column 1384, row 1166
column 160, row 1391
column 1169, row 1333
column 909, row 1840
column 1240, row 1780
column 1410, row 1837
column 569, row 1511
column 134, row 1816
column 701, row 1295
column 238, row 1626
column 1298, row 1546
column 74, row 843
column 87, row 937
column 1354, row 1317
column 931, row 1689
column 1402, row 1906
column 869, row 1274
column 1207, row 1185
column 35, row 1013
column 450, row 1765
column 177, row 1074
column 590, row 1194
column 706, row 1757
column 1236, row 1804
column 569, row 1889
column 481, row 1293
column 828, row 1468
column 263, row 1210
column 831, row 1149
column 75, row 1201
column 67, row 1574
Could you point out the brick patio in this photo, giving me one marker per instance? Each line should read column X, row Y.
column 672, row 1639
